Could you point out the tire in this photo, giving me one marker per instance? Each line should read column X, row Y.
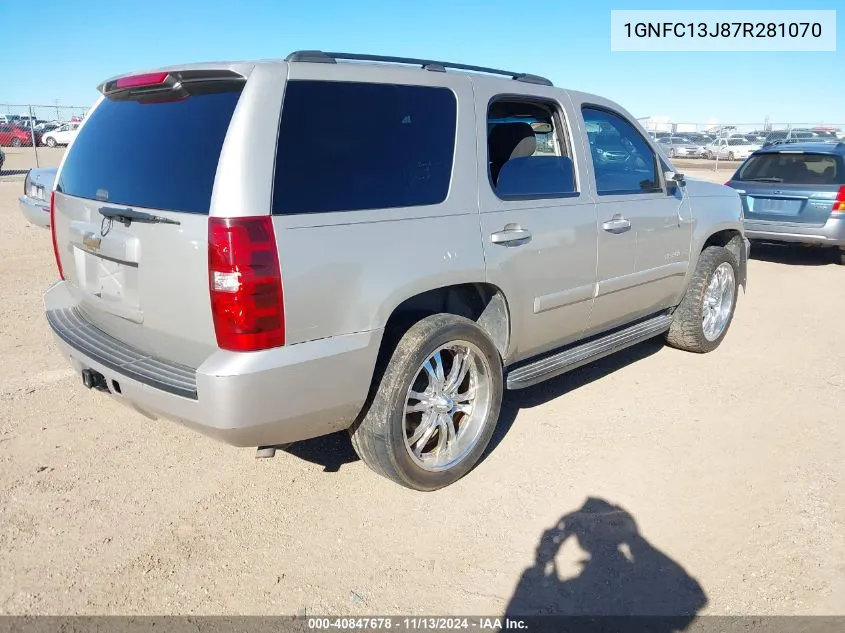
column 381, row 435
column 672, row 152
column 687, row 331
column 16, row 142
column 841, row 258
column 708, row 155
column 51, row 142
column 731, row 156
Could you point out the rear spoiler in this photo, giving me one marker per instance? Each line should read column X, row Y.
column 170, row 85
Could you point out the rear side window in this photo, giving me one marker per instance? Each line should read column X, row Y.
column 155, row 155
column 347, row 146
column 794, row 169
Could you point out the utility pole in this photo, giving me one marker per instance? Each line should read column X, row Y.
column 32, row 135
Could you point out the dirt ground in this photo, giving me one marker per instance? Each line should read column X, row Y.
column 730, row 465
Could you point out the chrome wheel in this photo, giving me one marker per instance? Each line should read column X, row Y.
column 718, row 301
column 447, row 405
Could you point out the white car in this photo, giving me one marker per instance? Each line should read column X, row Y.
column 730, row 149
column 62, row 135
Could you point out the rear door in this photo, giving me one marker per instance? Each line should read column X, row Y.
column 538, row 226
column 154, row 152
column 790, row 187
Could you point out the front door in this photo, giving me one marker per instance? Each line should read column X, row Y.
column 538, row 226
column 643, row 253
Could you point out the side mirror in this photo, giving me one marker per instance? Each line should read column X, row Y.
column 674, row 178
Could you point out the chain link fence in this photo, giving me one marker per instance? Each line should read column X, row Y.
column 35, row 135
column 711, row 144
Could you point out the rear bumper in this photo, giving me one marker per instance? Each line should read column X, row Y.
column 831, row 234
column 245, row 399
column 36, row 211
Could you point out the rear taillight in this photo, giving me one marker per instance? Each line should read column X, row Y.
column 839, row 203
column 137, row 81
column 53, row 232
column 245, row 284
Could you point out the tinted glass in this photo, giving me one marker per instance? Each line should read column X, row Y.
column 622, row 160
column 348, row 146
column 795, row 169
column 155, row 155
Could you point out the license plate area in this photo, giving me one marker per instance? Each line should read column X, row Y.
column 774, row 206
column 111, row 281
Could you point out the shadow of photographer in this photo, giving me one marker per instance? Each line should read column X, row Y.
column 623, row 575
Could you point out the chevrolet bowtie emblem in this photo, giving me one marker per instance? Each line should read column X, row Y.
column 92, row 241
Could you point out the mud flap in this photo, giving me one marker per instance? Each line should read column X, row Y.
column 744, row 253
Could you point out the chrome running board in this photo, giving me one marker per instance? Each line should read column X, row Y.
column 574, row 357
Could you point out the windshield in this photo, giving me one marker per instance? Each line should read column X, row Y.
column 795, row 169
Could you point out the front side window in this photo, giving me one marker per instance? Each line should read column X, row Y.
column 349, row 146
column 623, row 162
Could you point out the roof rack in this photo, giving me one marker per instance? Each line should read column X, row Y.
column 427, row 64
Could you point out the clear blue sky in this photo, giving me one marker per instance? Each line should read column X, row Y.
column 71, row 47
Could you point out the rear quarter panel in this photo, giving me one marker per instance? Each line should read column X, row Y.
column 346, row 272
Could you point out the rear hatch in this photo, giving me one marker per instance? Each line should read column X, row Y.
column 790, row 186
column 131, row 209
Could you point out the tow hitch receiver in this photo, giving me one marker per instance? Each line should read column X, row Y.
column 94, row 380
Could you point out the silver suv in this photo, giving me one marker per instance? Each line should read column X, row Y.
column 273, row 251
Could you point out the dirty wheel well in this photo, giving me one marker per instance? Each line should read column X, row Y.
column 481, row 302
column 730, row 239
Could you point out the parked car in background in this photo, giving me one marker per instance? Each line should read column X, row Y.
column 240, row 281
column 795, row 193
column 47, row 126
column 788, row 136
column 680, row 147
column 35, row 201
column 696, row 137
column 824, row 133
column 755, row 138
column 15, row 136
column 62, row 135
column 730, row 149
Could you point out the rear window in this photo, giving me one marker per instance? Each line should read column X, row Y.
column 795, row 169
column 155, row 155
column 349, row 146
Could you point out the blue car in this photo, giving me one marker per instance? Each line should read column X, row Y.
column 795, row 193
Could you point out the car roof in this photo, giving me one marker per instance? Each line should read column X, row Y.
column 397, row 66
column 818, row 147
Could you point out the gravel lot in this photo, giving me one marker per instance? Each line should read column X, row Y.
column 731, row 464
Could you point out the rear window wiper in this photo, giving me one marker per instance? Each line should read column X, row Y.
column 765, row 179
column 128, row 216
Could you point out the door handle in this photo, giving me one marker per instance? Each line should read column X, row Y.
column 511, row 235
column 617, row 224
